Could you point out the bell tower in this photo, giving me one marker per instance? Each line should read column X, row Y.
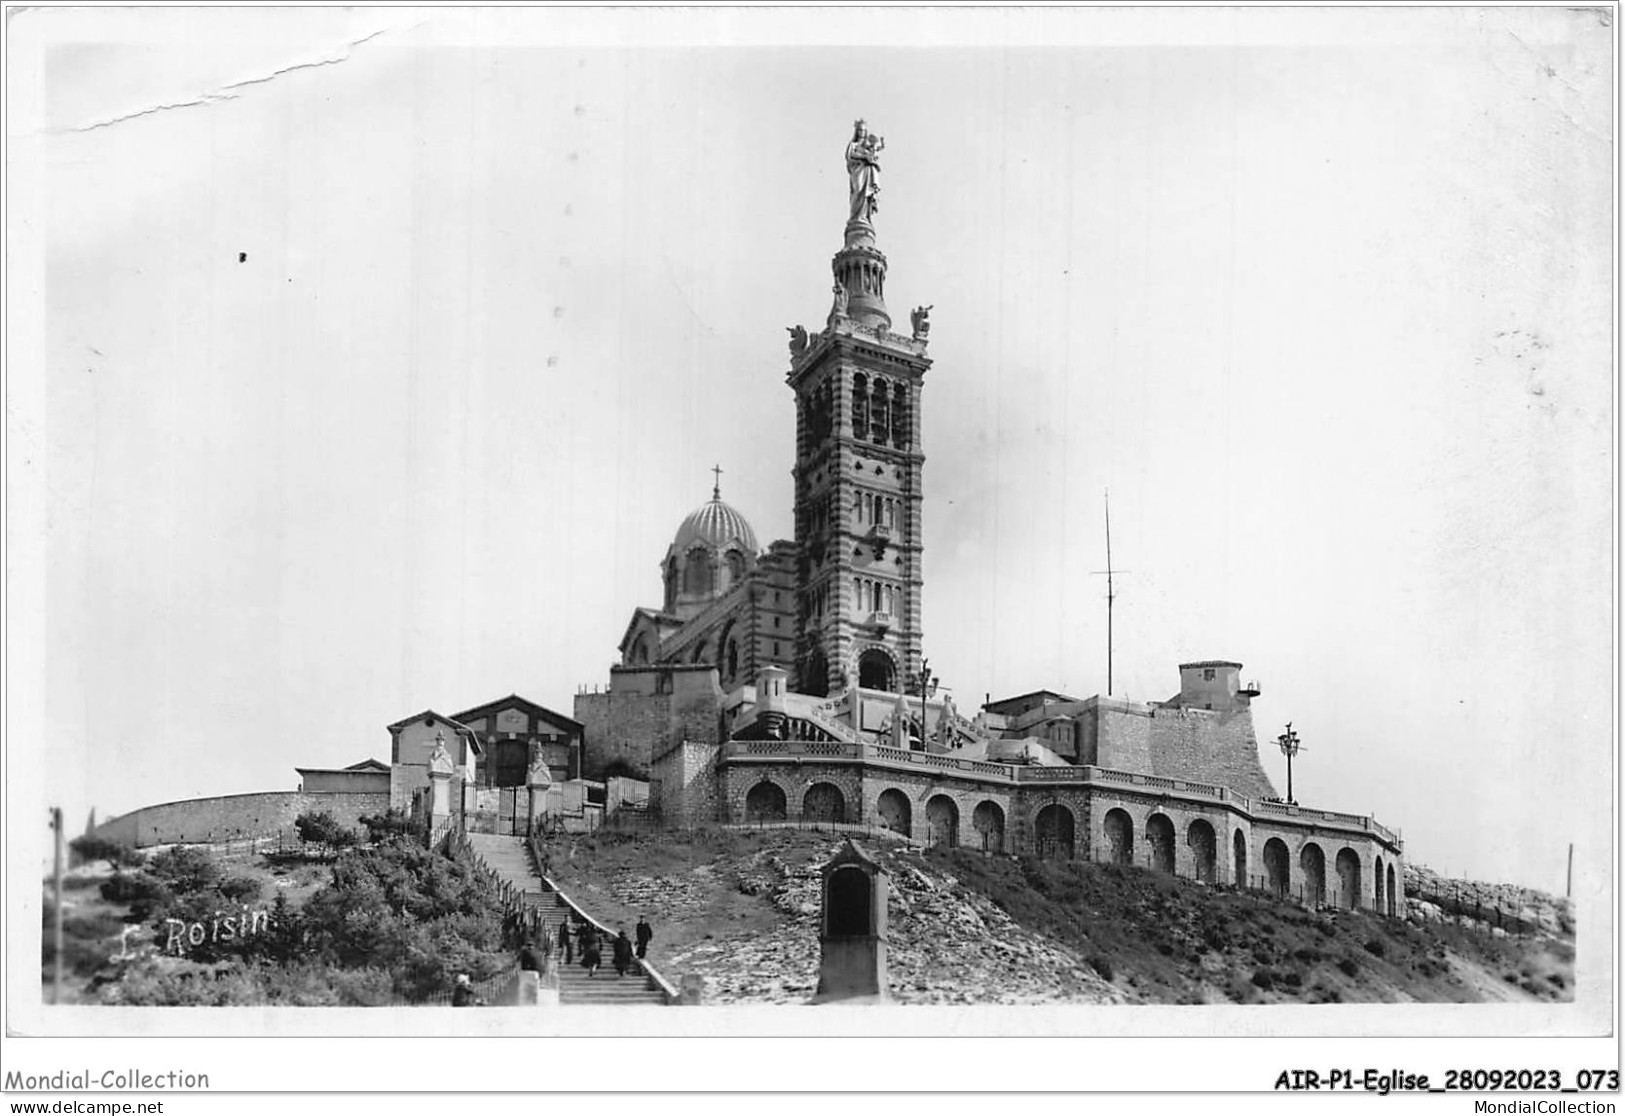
column 858, row 466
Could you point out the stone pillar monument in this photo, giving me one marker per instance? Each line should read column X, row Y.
column 440, row 772
column 539, row 782
column 852, row 930
column 899, row 723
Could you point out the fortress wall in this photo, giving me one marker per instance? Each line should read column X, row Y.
column 626, row 726
column 233, row 816
column 683, row 785
column 1121, row 739
column 646, row 711
column 1207, row 747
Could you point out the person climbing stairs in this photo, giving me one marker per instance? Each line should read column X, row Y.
column 509, row 857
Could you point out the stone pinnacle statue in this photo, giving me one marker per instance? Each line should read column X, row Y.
column 863, row 168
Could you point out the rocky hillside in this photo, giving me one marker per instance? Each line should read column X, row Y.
column 741, row 910
column 1436, row 897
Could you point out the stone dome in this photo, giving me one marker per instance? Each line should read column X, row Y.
column 714, row 525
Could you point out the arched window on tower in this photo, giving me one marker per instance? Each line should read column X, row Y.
column 860, row 406
column 899, row 416
column 736, row 568
column 697, row 571
column 880, row 412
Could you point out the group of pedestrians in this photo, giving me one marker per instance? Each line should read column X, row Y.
column 622, row 949
column 584, row 941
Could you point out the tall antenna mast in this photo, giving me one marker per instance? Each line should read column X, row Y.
column 1111, row 591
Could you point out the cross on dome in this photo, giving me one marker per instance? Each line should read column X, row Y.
column 716, row 488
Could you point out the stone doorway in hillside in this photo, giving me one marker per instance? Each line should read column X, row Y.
column 1053, row 830
column 765, row 803
column 1118, row 829
column 942, row 821
column 1159, row 834
column 988, row 821
column 825, row 803
column 894, row 812
column 1277, row 867
column 1312, row 861
column 1204, row 851
column 1348, row 877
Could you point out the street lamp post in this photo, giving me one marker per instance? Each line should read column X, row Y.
column 1290, row 747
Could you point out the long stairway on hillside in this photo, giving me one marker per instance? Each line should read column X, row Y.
column 510, row 859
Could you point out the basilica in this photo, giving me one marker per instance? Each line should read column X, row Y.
column 785, row 684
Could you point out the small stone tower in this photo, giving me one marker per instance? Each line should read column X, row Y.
column 852, row 929
column 858, row 468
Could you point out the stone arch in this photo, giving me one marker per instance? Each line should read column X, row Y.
column 1159, row 834
column 1348, row 878
column 988, row 821
column 1119, row 831
column 895, row 812
column 1312, row 860
column 1376, row 880
column 1393, row 897
column 734, row 563
column 824, row 802
column 877, row 670
column 942, row 821
column 1204, row 845
column 1277, row 867
column 1238, row 854
column 814, row 679
column 765, row 802
column 639, row 655
column 702, row 652
column 1055, row 833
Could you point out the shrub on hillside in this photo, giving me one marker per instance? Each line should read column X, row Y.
column 241, row 889
column 322, row 827
column 87, row 848
column 1376, row 947
column 422, row 916
column 141, row 892
column 152, row 983
column 1349, row 966
column 1264, row 979
column 1102, row 965
column 392, row 823
column 185, row 869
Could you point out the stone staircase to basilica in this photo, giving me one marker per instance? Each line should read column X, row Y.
column 509, row 857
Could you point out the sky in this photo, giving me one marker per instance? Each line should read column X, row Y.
column 367, row 361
